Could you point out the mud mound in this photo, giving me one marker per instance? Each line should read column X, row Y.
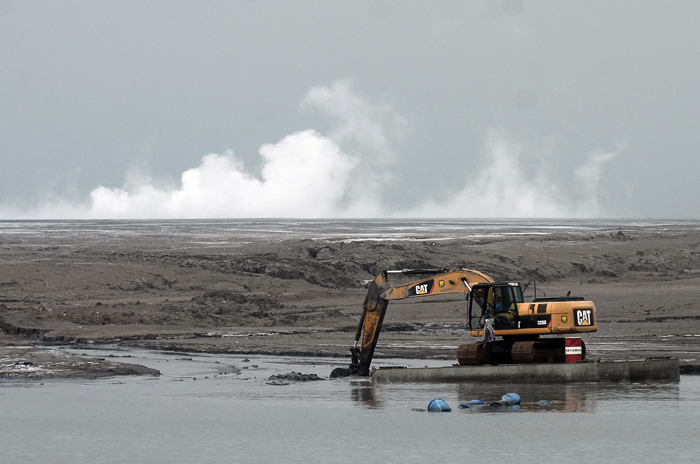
column 295, row 377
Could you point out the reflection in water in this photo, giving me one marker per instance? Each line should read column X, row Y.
column 556, row 397
column 559, row 397
column 364, row 392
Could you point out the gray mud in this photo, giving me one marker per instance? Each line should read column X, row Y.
column 32, row 363
column 302, row 297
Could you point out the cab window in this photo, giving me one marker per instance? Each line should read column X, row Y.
column 505, row 303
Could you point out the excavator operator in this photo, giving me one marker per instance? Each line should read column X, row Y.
column 504, row 309
column 500, row 304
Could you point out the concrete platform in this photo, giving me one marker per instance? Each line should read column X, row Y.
column 642, row 370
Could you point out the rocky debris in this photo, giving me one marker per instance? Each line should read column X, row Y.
column 294, row 377
column 620, row 235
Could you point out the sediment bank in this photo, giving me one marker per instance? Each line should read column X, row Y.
column 304, row 296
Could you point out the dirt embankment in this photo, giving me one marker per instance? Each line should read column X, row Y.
column 304, row 297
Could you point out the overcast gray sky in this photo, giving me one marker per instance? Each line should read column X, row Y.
column 151, row 109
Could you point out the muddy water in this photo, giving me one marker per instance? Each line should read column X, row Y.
column 207, row 409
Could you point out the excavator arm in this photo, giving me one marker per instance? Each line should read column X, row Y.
column 380, row 293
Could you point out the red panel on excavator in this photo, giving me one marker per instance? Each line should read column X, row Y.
column 573, row 350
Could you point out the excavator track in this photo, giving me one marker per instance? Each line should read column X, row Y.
column 470, row 354
column 524, row 352
column 521, row 352
column 542, row 351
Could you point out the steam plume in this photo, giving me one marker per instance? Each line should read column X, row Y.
column 340, row 174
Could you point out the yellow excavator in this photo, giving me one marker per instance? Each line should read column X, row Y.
column 518, row 324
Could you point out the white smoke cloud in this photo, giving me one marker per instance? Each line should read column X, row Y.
column 502, row 189
column 588, row 177
column 367, row 127
column 304, row 175
column 340, row 174
column 368, row 130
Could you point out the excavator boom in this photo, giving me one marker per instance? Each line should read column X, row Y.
column 380, row 293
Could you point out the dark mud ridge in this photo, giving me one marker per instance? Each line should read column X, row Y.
column 29, row 363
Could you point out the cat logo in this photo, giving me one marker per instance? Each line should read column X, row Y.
column 441, row 283
column 583, row 317
column 565, row 319
column 421, row 289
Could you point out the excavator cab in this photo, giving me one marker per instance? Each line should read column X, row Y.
column 500, row 299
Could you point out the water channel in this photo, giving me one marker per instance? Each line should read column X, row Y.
column 216, row 409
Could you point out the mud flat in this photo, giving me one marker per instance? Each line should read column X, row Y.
column 27, row 362
column 165, row 286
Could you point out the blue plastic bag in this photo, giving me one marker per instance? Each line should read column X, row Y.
column 471, row 404
column 511, row 398
column 438, row 405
